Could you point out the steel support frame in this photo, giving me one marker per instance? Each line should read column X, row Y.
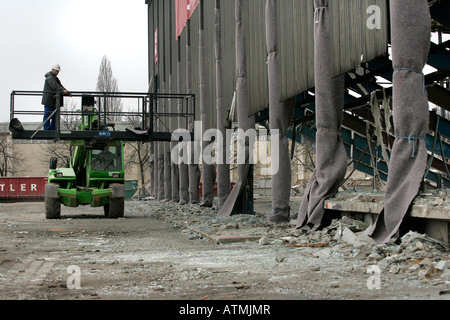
column 148, row 115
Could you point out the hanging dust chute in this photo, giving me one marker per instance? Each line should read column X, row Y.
column 174, row 196
column 160, row 158
column 167, row 149
column 208, row 169
column 331, row 163
column 240, row 199
column 193, row 168
column 280, row 117
column 223, row 166
column 410, row 28
column 184, row 167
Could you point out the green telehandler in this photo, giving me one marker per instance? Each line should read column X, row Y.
column 94, row 176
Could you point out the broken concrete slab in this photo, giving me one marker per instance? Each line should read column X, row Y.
column 356, row 240
column 430, row 205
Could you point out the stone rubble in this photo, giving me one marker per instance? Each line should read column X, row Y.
column 414, row 255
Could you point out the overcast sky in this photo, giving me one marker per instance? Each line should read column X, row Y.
column 35, row 34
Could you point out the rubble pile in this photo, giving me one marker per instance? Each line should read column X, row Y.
column 194, row 215
column 414, row 255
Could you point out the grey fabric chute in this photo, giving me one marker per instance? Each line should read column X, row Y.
column 331, row 156
column 152, row 169
column 244, row 121
column 165, row 147
column 410, row 32
column 161, row 190
column 208, row 169
column 183, row 167
column 155, row 169
column 193, row 169
column 161, row 152
column 280, row 117
column 194, row 183
column 167, row 172
column 174, row 178
column 223, row 166
column 184, row 183
column 175, row 183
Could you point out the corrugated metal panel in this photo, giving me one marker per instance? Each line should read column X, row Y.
column 151, row 41
column 195, row 25
column 182, row 84
column 209, row 60
column 166, row 58
column 256, row 52
column 296, row 47
column 228, row 51
column 350, row 35
column 210, row 57
column 351, row 40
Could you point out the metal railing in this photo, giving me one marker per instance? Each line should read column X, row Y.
column 147, row 110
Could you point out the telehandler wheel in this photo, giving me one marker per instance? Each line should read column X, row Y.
column 115, row 208
column 52, row 202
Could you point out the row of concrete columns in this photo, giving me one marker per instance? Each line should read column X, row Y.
column 410, row 29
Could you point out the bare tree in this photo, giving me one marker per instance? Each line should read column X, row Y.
column 106, row 82
column 71, row 116
column 8, row 158
column 139, row 155
column 62, row 150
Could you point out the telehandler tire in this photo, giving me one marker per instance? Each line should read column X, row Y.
column 116, row 206
column 52, row 202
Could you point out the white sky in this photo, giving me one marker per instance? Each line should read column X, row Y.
column 35, row 34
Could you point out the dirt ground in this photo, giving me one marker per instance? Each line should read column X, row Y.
column 161, row 251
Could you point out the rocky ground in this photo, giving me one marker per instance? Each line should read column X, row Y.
column 163, row 251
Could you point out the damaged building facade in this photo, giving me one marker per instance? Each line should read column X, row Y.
column 306, row 70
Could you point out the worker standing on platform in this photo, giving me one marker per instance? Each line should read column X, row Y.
column 52, row 86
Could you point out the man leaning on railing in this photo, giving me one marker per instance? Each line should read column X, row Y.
column 52, row 86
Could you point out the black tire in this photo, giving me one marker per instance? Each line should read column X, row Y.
column 52, row 208
column 52, row 202
column 53, row 163
column 106, row 210
column 115, row 208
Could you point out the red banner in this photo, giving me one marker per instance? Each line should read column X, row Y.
column 184, row 10
column 182, row 15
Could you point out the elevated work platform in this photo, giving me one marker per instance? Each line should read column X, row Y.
column 148, row 123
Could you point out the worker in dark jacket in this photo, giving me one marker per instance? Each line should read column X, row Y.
column 52, row 86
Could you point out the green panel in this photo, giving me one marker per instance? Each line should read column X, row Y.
column 68, row 197
column 100, row 197
column 131, row 187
